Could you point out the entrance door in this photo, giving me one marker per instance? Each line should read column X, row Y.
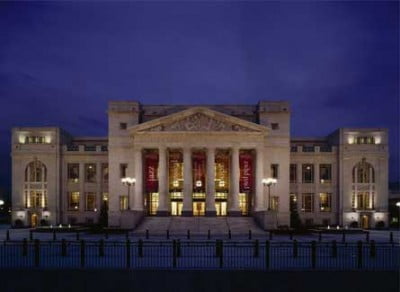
column 34, row 220
column 176, row 208
column 220, row 208
column 244, row 203
column 365, row 222
column 199, row 208
column 153, row 203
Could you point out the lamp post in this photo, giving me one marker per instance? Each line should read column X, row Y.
column 398, row 216
column 128, row 181
column 268, row 182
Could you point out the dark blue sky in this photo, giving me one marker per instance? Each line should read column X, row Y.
column 336, row 62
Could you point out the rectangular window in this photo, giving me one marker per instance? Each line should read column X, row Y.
column 293, row 173
column 105, row 199
column 122, row 170
column 73, row 201
column 123, row 126
column 274, row 126
column 308, row 173
column 325, row 202
column 275, row 170
column 293, row 202
column 90, row 201
column 104, row 172
column 123, row 203
column 307, row 202
column 325, row 173
column 274, row 203
column 73, row 172
column 90, row 172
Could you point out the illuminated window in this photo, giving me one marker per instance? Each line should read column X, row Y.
column 90, row 201
column 37, row 199
column 35, row 140
column 105, row 199
column 308, row 173
column 325, row 173
column 90, row 172
column 363, row 172
column 325, row 202
column 73, row 201
column 36, row 171
column 123, row 203
column 293, row 173
column 73, row 172
column 293, row 202
column 307, row 202
column 274, row 203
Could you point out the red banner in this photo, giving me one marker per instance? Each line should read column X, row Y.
column 151, row 168
column 246, row 172
column 199, row 171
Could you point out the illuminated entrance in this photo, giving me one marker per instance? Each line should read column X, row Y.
column 152, row 200
column 243, row 203
column 221, row 208
column 199, row 208
column 176, row 203
column 34, row 220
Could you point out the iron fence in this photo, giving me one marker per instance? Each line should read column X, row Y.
column 205, row 254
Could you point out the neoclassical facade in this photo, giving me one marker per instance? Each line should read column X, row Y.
column 212, row 160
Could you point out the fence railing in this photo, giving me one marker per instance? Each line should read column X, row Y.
column 209, row 254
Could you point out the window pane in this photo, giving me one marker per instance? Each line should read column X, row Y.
column 274, row 170
column 307, row 202
column 325, row 173
column 90, row 201
column 325, row 202
column 90, row 172
column 104, row 167
column 123, row 203
column 308, row 173
column 73, row 172
column 293, row 173
column 73, row 201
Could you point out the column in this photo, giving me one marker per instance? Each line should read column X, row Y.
column 98, row 187
column 260, row 196
column 370, row 197
column 355, row 188
column 82, row 178
column 138, row 193
column 187, row 209
column 233, row 200
column 162, row 182
column 210, row 190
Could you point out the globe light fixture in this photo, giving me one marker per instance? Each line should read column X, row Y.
column 269, row 182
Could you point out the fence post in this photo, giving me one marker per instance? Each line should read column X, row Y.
column 8, row 235
column 54, row 235
column 24, row 248
column 367, row 236
column 343, row 237
column 267, row 254
column 217, row 248
column 37, row 252
column 256, row 247
column 221, row 253
column 229, row 234
column 147, row 234
column 30, row 235
column 140, row 248
column 82, row 253
column 334, row 249
column 359, row 254
column 167, row 233
column 313, row 253
column 178, row 248
column 101, row 248
column 250, row 235
column 63, row 248
column 128, row 253
column 372, row 249
column 391, row 236
column 208, row 234
column 174, row 251
column 188, row 234
column 295, row 248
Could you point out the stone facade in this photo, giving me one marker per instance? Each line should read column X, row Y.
column 200, row 161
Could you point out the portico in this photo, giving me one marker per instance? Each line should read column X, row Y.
column 198, row 163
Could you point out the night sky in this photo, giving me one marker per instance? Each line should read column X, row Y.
column 337, row 63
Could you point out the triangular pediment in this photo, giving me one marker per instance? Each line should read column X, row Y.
column 198, row 119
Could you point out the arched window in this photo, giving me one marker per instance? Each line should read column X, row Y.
column 36, row 171
column 363, row 172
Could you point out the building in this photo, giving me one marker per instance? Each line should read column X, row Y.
column 200, row 161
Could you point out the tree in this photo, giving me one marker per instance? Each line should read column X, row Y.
column 103, row 220
column 295, row 221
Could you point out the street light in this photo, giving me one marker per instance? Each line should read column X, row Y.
column 268, row 182
column 398, row 217
column 128, row 181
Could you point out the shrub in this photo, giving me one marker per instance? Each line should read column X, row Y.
column 380, row 225
column 354, row 224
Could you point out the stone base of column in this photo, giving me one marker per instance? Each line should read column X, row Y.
column 163, row 213
column 234, row 213
column 211, row 213
column 187, row 213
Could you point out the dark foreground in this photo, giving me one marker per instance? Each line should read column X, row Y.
column 165, row 280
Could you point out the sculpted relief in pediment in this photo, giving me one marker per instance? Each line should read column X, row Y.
column 200, row 122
